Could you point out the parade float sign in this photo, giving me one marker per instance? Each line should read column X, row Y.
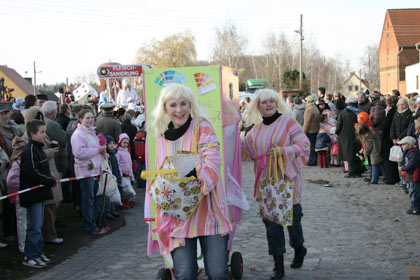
column 217, row 91
column 121, row 71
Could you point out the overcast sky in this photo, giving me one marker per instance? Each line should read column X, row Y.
column 69, row 38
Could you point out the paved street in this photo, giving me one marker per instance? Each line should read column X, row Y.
column 352, row 231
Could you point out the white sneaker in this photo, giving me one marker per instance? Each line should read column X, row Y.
column 3, row 245
column 45, row 259
column 37, row 263
column 55, row 241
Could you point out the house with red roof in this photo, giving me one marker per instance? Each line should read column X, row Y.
column 14, row 83
column 399, row 47
column 353, row 85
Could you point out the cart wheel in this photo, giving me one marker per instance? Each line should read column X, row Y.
column 164, row 274
column 236, row 266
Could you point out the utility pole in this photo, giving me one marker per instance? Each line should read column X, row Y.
column 34, row 79
column 300, row 31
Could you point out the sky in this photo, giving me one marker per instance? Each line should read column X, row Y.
column 67, row 39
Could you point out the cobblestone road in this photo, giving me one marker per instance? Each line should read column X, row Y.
column 352, row 231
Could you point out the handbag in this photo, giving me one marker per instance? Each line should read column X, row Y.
column 275, row 195
column 176, row 197
column 396, row 154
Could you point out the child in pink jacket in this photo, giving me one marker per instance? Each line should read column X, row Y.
column 126, row 168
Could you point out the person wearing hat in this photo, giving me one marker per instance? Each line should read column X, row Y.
column 377, row 110
column 107, row 125
column 322, row 106
column 41, row 99
column 348, row 144
column 9, row 131
column 410, row 171
column 311, row 126
column 18, row 105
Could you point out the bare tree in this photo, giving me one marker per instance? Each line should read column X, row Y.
column 278, row 57
column 229, row 46
column 177, row 50
column 89, row 77
column 370, row 65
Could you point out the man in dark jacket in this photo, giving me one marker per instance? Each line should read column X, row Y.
column 107, row 125
column 410, row 166
column 34, row 171
column 63, row 117
column 386, row 141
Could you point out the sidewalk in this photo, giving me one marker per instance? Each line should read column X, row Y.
column 352, row 231
column 119, row 255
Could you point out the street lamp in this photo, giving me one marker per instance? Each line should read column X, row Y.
column 300, row 32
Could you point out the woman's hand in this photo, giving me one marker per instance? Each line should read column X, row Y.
column 102, row 150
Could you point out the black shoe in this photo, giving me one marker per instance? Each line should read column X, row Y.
column 373, row 183
column 278, row 271
column 349, row 176
column 108, row 216
column 413, row 212
column 367, row 179
column 115, row 214
column 300, row 254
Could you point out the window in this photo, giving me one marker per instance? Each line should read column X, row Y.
column 356, row 87
column 350, row 88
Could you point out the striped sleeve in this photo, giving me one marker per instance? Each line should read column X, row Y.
column 208, row 168
column 295, row 155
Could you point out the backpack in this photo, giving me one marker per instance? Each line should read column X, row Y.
column 140, row 145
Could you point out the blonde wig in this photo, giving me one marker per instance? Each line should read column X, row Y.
column 160, row 120
column 253, row 115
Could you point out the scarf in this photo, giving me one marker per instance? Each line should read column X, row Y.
column 271, row 119
column 173, row 133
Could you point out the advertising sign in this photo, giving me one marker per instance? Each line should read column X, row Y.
column 121, row 71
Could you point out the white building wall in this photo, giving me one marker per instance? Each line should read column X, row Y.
column 352, row 87
column 412, row 78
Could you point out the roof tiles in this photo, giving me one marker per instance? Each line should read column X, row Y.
column 406, row 25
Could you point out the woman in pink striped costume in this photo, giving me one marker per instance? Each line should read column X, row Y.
column 274, row 127
column 173, row 124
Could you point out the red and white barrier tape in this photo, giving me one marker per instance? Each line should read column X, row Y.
column 58, row 181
